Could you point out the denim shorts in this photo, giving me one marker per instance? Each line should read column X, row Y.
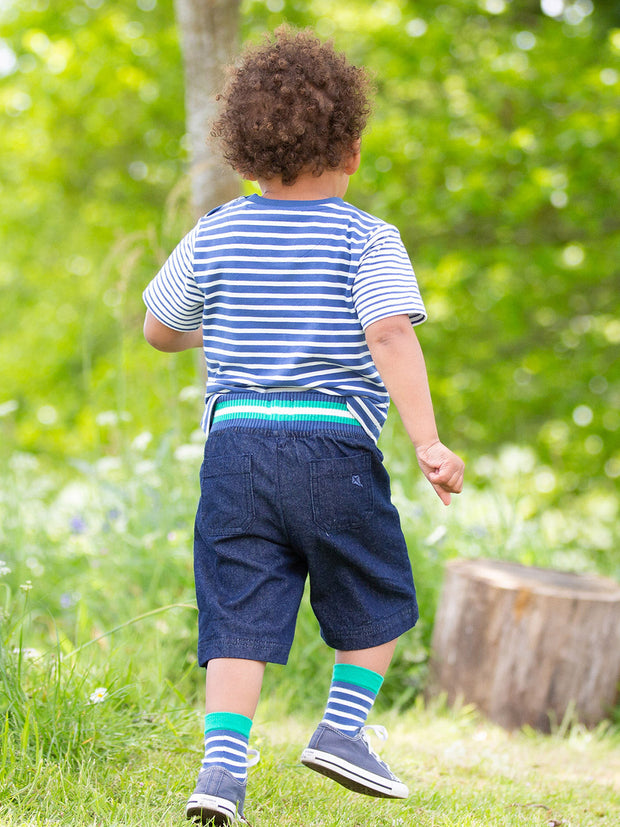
column 281, row 502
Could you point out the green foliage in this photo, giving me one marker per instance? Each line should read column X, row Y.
column 497, row 164
column 92, row 152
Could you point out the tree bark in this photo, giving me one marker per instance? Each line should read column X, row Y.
column 210, row 39
column 527, row 645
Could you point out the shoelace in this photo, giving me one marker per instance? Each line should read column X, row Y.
column 381, row 733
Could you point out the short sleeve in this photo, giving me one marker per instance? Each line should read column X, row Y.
column 173, row 296
column 385, row 284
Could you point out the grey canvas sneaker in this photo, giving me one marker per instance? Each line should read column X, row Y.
column 219, row 796
column 352, row 762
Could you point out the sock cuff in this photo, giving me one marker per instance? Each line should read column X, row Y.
column 358, row 675
column 228, row 720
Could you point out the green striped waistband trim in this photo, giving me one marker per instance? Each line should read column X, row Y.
column 280, row 410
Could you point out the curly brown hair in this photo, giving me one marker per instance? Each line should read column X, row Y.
column 291, row 105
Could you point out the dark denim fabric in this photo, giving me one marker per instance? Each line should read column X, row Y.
column 278, row 505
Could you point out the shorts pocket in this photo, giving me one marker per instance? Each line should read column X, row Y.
column 227, row 502
column 342, row 491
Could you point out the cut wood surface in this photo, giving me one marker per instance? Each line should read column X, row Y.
column 527, row 645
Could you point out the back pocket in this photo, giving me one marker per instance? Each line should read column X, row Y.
column 342, row 491
column 226, row 488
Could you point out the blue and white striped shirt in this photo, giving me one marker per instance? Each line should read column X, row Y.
column 284, row 291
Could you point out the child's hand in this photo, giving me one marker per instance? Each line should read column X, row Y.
column 442, row 468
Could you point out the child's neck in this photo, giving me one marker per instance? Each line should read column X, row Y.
column 307, row 187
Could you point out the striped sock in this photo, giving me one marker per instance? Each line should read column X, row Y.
column 351, row 695
column 226, row 742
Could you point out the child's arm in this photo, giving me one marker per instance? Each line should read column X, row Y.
column 161, row 337
column 398, row 356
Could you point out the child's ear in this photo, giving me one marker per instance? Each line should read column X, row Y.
column 352, row 162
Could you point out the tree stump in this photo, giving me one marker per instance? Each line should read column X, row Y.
column 527, row 645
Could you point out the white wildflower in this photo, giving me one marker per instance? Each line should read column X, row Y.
column 142, row 441
column 145, row 468
column 436, row 536
column 188, row 452
column 191, row 392
column 106, row 419
column 26, row 653
column 9, row 407
column 99, row 695
column 106, row 465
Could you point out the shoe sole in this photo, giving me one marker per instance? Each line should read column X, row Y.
column 352, row 777
column 211, row 810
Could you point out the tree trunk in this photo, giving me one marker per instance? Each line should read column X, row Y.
column 210, row 38
column 527, row 645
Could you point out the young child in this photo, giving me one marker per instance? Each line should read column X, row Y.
column 305, row 308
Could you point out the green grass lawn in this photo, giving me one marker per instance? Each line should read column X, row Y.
column 460, row 769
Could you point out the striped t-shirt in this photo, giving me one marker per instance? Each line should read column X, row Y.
column 284, row 291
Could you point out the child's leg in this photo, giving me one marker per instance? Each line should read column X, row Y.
column 356, row 680
column 233, row 685
column 339, row 747
column 232, row 691
column 378, row 658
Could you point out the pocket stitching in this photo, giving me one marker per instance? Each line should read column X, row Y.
column 334, row 520
column 243, row 469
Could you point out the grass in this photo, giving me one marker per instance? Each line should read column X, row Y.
column 461, row 771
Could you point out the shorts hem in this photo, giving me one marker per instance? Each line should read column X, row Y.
column 244, row 649
column 373, row 634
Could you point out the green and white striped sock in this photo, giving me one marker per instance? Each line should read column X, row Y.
column 226, row 742
column 351, row 695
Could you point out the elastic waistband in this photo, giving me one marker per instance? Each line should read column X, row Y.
column 297, row 412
